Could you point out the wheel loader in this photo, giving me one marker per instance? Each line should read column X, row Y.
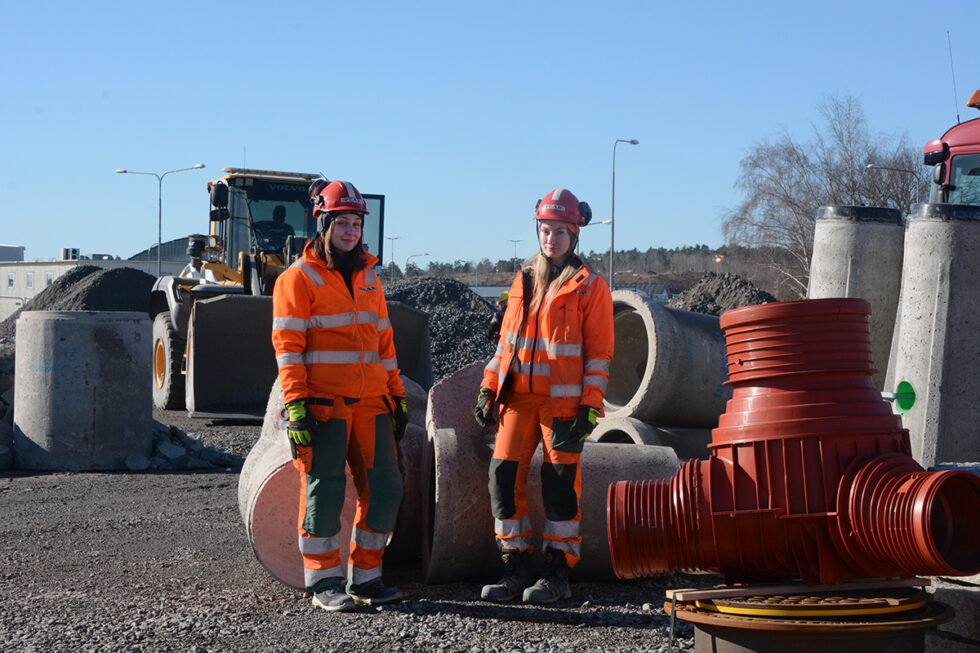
column 212, row 344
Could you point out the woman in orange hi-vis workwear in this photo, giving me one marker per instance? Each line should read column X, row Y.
column 548, row 377
column 346, row 403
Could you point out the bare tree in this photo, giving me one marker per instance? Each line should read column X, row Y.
column 784, row 183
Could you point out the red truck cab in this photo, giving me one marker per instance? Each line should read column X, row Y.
column 956, row 157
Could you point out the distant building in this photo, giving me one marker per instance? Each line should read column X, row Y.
column 11, row 253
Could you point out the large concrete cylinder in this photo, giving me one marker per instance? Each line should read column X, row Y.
column 458, row 540
column 686, row 443
column 268, row 494
column 669, row 367
column 937, row 334
column 82, row 398
column 857, row 252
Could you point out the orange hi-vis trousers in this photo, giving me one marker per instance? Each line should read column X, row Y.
column 524, row 422
column 357, row 434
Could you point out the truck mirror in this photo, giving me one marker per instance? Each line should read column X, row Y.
column 939, row 174
column 935, row 152
column 219, row 195
column 217, row 215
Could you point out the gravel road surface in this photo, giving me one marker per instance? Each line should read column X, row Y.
column 160, row 562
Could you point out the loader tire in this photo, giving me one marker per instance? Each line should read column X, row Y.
column 168, row 356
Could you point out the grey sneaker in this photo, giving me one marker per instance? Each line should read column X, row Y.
column 373, row 592
column 333, row 599
column 553, row 584
column 517, row 576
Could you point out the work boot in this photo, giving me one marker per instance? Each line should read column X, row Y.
column 330, row 596
column 553, row 584
column 373, row 592
column 517, row 575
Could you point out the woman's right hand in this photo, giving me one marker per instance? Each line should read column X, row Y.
column 484, row 404
column 301, row 423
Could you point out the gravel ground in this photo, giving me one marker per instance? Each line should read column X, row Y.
column 160, row 562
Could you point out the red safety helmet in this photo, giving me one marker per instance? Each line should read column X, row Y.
column 337, row 197
column 563, row 206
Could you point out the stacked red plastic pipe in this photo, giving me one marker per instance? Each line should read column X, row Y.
column 810, row 474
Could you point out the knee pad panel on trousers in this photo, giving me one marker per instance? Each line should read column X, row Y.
column 503, row 478
column 326, row 480
column 558, row 490
column 384, row 479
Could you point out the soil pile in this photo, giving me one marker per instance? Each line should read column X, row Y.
column 716, row 293
column 88, row 288
column 458, row 321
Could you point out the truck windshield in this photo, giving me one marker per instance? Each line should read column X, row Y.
column 965, row 178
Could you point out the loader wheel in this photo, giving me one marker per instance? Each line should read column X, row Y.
column 168, row 354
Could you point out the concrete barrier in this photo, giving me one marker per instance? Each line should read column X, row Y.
column 669, row 366
column 82, row 399
column 458, row 540
column 937, row 334
column 268, row 494
column 857, row 252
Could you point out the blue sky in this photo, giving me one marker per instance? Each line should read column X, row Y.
column 461, row 113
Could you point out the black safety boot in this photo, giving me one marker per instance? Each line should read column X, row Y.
column 517, row 575
column 373, row 592
column 553, row 584
column 330, row 596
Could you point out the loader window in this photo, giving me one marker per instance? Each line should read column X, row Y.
column 964, row 176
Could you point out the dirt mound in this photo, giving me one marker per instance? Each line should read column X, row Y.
column 458, row 321
column 716, row 293
column 88, row 288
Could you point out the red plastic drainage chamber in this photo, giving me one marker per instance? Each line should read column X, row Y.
column 810, row 474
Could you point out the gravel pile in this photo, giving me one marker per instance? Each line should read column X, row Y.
column 716, row 293
column 458, row 321
column 88, row 288
column 174, row 450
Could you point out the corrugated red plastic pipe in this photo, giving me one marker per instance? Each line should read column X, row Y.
column 810, row 474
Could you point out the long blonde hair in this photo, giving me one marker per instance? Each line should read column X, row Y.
column 546, row 282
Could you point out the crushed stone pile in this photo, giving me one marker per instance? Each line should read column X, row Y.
column 175, row 450
column 88, row 288
column 716, row 293
column 458, row 321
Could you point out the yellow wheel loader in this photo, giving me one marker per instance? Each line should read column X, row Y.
column 212, row 325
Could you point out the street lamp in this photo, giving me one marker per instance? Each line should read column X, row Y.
column 159, row 200
column 612, row 213
column 875, row 166
column 515, row 251
column 411, row 257
column 391, row 243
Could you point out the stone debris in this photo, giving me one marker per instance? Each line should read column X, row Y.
column 458, row 321
column 175, row 450
column 716, row 293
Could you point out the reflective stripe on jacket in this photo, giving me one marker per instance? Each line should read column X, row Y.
column 565, row 351
column 328, row 342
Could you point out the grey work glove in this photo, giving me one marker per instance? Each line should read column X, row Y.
column 484, row 405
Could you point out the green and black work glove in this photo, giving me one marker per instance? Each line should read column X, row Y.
column 584, row 422
column 301, row 423
column 399, row 418
column 484, row 404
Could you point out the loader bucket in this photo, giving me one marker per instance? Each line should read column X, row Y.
column 231, row 363
column 413, row 345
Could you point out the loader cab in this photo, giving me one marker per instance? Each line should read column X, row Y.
column 258, row 209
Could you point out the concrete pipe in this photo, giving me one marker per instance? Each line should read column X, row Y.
column 669, row 367
column 936, row 343
column 268, row 494
column 686, row 443
column 857, row 252
column 458, row 539
column 81, row 398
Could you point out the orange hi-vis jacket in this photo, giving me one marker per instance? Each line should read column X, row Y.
column 563, row 351
column 327, row 342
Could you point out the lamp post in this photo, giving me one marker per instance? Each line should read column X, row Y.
column 875, row 166
column 159, row 177
column 515, row 251
column 411, row 257
column 612, row 212
column 391, row 243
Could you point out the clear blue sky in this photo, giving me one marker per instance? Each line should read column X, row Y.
column 461, row 113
